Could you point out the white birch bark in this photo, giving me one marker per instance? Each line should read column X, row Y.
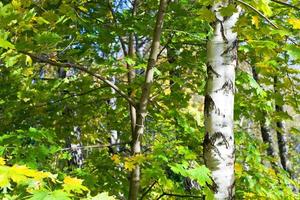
column 114, row 139
column 218, row 145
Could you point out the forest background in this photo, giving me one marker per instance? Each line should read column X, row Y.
column 120, row 95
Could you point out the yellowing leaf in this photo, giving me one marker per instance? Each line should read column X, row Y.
column 238, row 168
column 28, row 60
column 2, row 161
column 28, row 71
column 4, row 181
column 272, row 172
column 255, row 21
column 295, row 23
column 130, row 162
column 83, row 9
column 116, row 159
column 263, row 5
column 72, row 181
column 73, row 184
column 129, row 165
column 16, row 4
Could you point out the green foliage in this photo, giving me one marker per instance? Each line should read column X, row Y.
column 19, row 181
column 38, row 110
column 254, row 179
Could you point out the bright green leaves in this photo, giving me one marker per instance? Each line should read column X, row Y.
column 248, row 80
column 228, row 11
column 293, row 51
column 262, row 5
column 254, row 179
column 6, row 44
column 101, row 196
column 45, row 146
column 47, row 39
column 201, row 173
column 206, row 14
column 49, row 195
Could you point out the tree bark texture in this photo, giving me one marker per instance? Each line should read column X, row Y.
column 265, row 130
column 75, row 149
column 131, row 71
column 218, row 144
column 281, row 135
column 114, row 138
column 144, row 100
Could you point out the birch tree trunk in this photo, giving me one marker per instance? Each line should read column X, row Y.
column 114, row 138
column 144, row 100
column 218, row 144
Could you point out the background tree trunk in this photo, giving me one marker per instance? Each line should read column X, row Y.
column 281, row 134
column 218, row 145
column 144, row 100
column 265, row 129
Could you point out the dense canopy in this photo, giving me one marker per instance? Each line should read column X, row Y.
column 149, row 99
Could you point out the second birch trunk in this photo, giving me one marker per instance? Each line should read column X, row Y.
column 218, row 145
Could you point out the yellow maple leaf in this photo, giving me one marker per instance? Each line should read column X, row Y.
column 295, row 23
column 4, row 181
column 72, row 181
column 74, row 184
column 255, row 21
column 129, row 165
column 272, row 172
column 238, row 169
column 116, row 159
column 2, row 161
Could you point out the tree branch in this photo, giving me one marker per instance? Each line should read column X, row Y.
column 95, row 146
column 68, row 97
column 116, row 25
column 258, row 12
column 179, row 195
column 44, row 59
column 148, row 190
column 286, row 4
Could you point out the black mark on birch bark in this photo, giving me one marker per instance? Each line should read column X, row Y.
column 223, row 31
column 210, row 141
column 231, row 191
column 211, row 71
column 220, row 135
column 210, row 105
column 230, row 48
column 210, row 144
column 227, row 87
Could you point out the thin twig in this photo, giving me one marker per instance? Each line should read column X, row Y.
column 95, row 146
column 286, row 4
column 258, row 12
column 179, row 195
column 68, row 97
column 116, row 25
column 148, row 190
column 44, row 59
